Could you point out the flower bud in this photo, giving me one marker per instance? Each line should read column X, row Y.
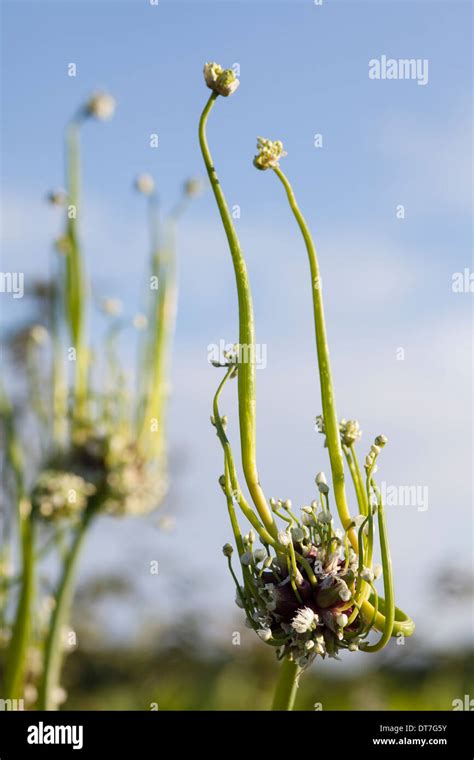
column 227, row 550
column 381, row 441
column 324, row 518
column 342, row 620
column 320, row 478
column 298, row 534
column 264, row 633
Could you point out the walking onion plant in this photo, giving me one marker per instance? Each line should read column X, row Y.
column 103, row 447
column 310, row 589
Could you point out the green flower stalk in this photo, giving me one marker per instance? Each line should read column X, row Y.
column 340, row 436
column 215, row 78
column 100, row 106
column 309, row 589
column 21, row 629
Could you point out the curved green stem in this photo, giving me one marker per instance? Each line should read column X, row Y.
column 389, row 622
column 246, row 374
column 54, row 647
column 389, row 601
column 327, row 391
column 287, row 684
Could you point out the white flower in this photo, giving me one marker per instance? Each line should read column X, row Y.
column 211, row 72
column 101, row 106
column 304, row 620
column 367, row 574
column 145, row 184
column 284, row 538
column 222, row 81
column 350, row 432
column 260, row 555
column 264, row 633
column 344, row 591
column 342, row 620
column 269, row 153
column 377, row 571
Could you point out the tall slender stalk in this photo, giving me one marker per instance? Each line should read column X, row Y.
column 287, row 685
column 385, row 616
column 325, row 374
column 54, row 650
column 246, row 372
column 21, row 631
column 74, row 276
column 20, row 636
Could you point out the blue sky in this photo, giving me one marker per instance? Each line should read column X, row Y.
column 304, row 70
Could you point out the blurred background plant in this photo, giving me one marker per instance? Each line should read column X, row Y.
column 83, row 434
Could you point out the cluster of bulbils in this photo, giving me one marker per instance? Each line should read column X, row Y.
column 100, row 470
column 269, row 153
column 302, row 597
column 222, row 81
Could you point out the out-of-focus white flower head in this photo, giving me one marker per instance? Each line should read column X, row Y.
column 193, row 187
column 101, row 105
column 111, row 306
column 140, row 322
column 145, row 184
column 39, row 335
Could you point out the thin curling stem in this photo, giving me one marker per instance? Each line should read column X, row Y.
column 389, row 608
column 327, row 390
column 247, row 369
column 287, row 684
